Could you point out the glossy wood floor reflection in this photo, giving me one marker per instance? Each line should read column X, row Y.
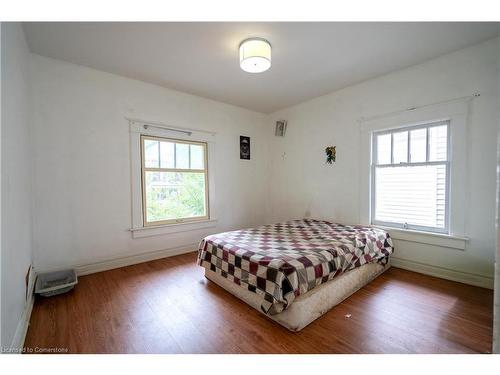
column 167, row 306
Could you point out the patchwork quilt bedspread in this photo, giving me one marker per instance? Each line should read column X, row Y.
column 282, row 261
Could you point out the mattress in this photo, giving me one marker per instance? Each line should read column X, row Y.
column 281, row 262
column 313, row 304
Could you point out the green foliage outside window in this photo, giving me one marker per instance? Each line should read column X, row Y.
column 174, row 195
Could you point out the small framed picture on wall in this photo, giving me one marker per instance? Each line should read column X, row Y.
column 244, row 147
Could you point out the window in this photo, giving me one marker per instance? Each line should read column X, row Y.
column 174, row 180
column 410, row 177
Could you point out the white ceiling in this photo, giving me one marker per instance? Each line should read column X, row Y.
column 308, row 59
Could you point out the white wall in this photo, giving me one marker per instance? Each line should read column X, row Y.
column 303, row 184
column 1, row 294
column 16, row 179
column 82, row 198
column 496, row 312
column 81, row 161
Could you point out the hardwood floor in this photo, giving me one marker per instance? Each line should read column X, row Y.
column 167, row 306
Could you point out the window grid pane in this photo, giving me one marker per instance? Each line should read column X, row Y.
column 151, row 153
column 167, row 155
column 197, row 157
column 418, row 145
column 181, row 156
column 384, row 149
column 438, row 142
column 400, row 147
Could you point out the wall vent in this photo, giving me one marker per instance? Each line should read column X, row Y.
column 280, row 128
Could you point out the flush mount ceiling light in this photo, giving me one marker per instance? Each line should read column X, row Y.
column 255, row 55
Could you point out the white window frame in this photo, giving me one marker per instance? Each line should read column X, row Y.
column 138, row 129
column 409, row 163
column 457, row 113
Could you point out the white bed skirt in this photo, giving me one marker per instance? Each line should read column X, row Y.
column 311, row 305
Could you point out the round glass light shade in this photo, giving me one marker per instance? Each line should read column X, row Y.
column 255, row 55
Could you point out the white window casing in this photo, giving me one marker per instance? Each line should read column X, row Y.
column 453, row 113
column 139, row 128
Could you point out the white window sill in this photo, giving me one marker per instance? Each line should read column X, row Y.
column 430, row 238
column 141, row 232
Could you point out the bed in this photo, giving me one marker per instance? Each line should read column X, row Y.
column 294, row 272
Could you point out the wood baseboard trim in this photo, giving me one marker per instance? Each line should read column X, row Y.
column 426, row 269
column 129, row 260
column 444, row 273
column 17, row 344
